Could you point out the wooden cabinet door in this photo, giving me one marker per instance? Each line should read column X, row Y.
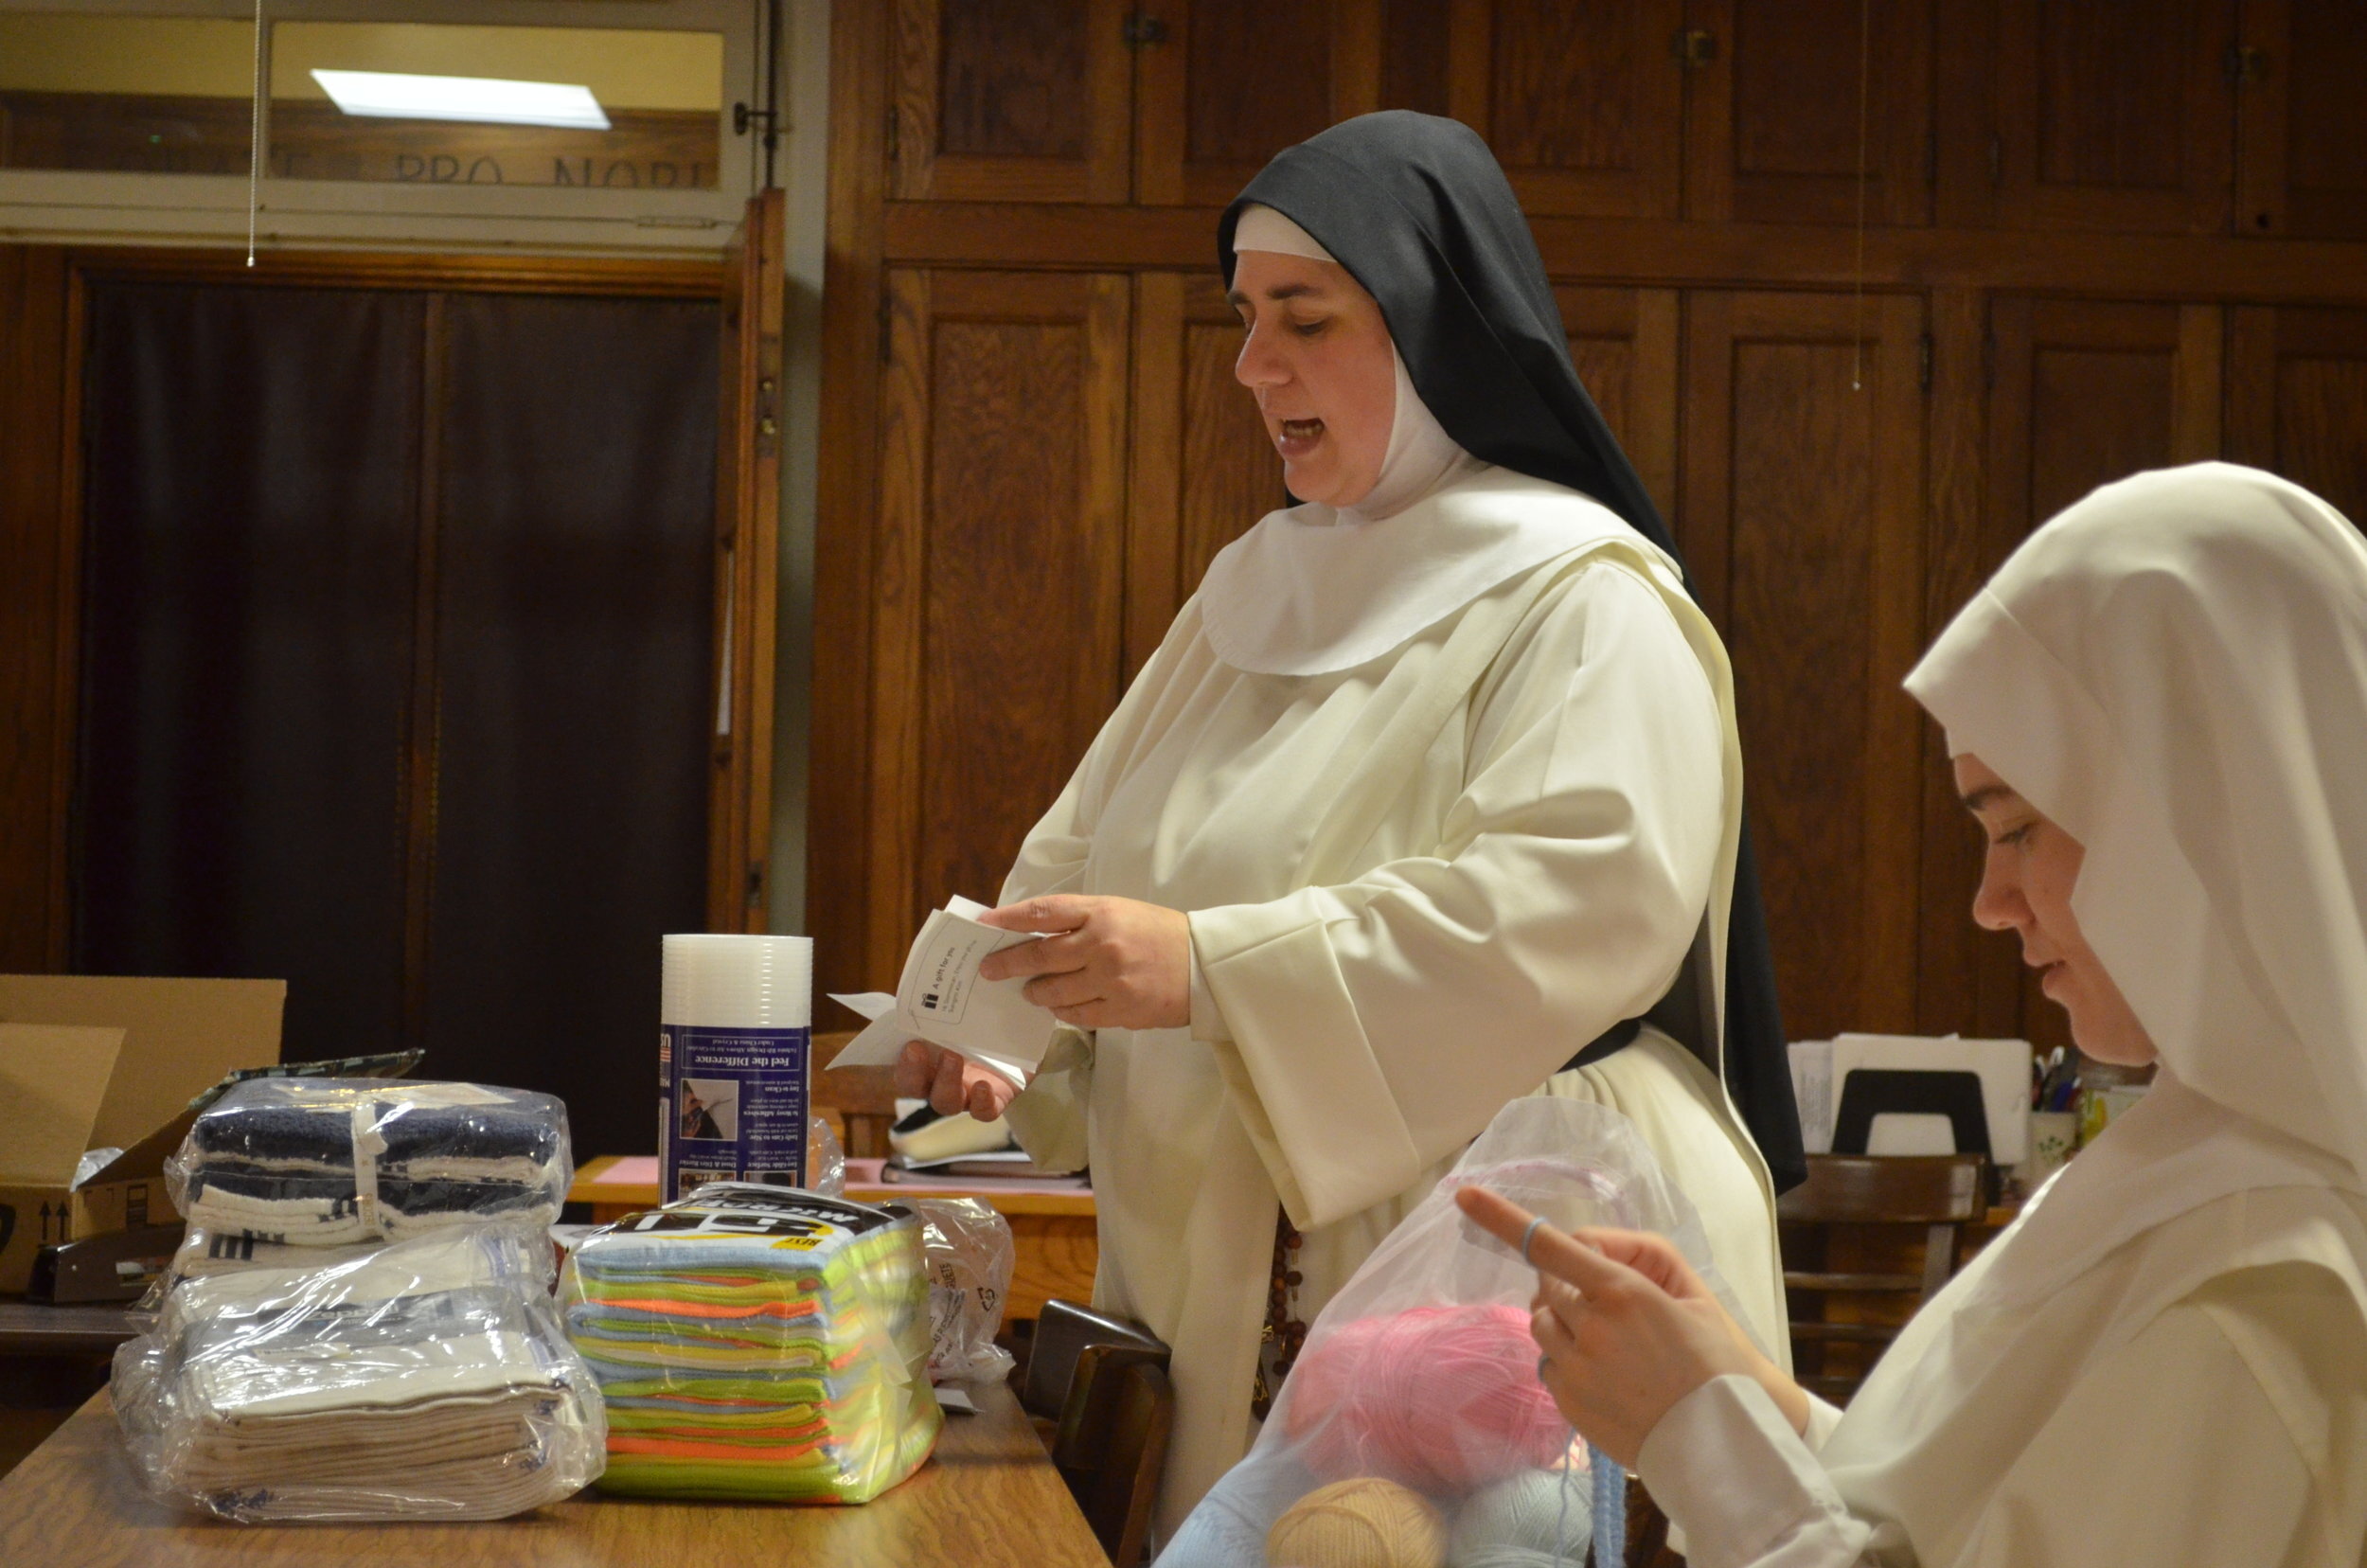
column 1624, row 342
column 1777, row 129
column 2301, row 149
column 1801, row 518
column 2082, row 392
column 2114, row 114
column 1010, row 100
column 2297, row 400
column 995, row 582
column 1203, row 468
column 1581, row 99
column 1229, row 83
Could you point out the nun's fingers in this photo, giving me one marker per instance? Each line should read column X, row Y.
column 1655, row 1257
column 1054, row 991
column 1553, row 1338
column 1060, row 954
column 949, row 1095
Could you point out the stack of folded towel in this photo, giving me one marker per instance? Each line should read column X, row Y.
column 430, row 1378
column 757, row 1342
column 334, row 1161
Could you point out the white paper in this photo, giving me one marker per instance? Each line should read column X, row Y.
column 1812, row 1092
column 942, row 999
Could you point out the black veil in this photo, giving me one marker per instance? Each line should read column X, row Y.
column 1416, row 209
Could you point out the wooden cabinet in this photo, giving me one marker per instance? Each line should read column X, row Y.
column 996, row 580
column 1624, row 342
column 2114, row 114
column 1802, row 519
column 1790, row 100
column 1011, row 100
column 1582, row 101
column 2302, row 131
column 2297, row 399
column 1203, row 469
column 1229, row 83
column 2089, row 391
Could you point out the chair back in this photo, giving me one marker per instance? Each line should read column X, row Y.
column 863, row 1097
column 1867, row 1239
column 1102, row 1383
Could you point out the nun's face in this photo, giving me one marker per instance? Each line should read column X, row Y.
column 1317, row 356
column 2026, row 882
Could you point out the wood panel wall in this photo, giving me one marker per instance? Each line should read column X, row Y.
column 1854, row 368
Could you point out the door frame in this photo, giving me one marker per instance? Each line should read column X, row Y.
column 43, row 338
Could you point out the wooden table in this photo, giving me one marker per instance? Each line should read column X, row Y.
column 989, row 1498
column 1055, row 1245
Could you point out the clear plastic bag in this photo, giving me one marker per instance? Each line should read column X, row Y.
column 826, row 1162
column 334, row 1162
column 757, row 1342
column 429, row 1380
column 1414, row 1425
column 970, row 1254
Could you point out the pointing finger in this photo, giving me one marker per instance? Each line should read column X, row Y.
column 1546, row 1250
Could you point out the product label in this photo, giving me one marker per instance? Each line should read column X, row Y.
column 732, row 1106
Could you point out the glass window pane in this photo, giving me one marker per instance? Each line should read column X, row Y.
column 658, row 92
column 415, row 103
column 148, row 95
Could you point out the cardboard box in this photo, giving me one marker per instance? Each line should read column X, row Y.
column 98, row 1061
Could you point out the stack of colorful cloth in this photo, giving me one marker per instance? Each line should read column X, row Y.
column 336, row 1162
column 429, row 1380
column 757, row 1342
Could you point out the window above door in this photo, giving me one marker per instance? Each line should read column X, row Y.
column 504, row 122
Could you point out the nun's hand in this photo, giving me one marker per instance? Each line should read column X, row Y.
column 951, row 1082
column 1626, row 1326
column 1103, row 964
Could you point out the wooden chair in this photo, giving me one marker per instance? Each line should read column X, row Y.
column 1878, row 1204
column 1100, row 1384
column 863, row 1099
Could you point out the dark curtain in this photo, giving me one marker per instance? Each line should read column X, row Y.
column 256, row 511
column 246, row 636
column 575, row 633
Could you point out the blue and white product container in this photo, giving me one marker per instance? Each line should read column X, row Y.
column 735, row 1061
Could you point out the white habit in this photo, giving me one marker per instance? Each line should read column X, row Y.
column 2163, row 1361
column 1445, row 795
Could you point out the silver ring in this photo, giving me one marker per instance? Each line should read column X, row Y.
column 1542, row 1362
column 1529, row 1235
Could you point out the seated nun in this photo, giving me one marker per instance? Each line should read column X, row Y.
column 2158, row 715
column 1430, row 798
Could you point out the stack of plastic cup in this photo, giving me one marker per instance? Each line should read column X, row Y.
column 734, row 1061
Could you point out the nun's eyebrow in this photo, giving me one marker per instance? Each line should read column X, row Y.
column 1280, row 291
column 1975, row 799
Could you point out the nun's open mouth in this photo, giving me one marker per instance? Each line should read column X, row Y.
column 1297, row 437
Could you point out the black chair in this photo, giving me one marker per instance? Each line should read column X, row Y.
column 1101, row 1383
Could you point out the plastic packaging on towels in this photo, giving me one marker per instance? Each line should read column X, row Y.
column 735, row 1065
column 428, row 1379
column 757, row 1342
column 1414, row 1431
column 970, row 1256
column 301, row 1162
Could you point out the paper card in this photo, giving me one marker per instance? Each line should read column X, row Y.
column 940, row 998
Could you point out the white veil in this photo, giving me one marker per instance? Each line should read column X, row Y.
column 2175, row 669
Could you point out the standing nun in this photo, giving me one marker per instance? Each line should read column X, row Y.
column 1430, row 797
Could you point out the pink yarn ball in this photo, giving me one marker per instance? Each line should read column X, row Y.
column 1440, row 1399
